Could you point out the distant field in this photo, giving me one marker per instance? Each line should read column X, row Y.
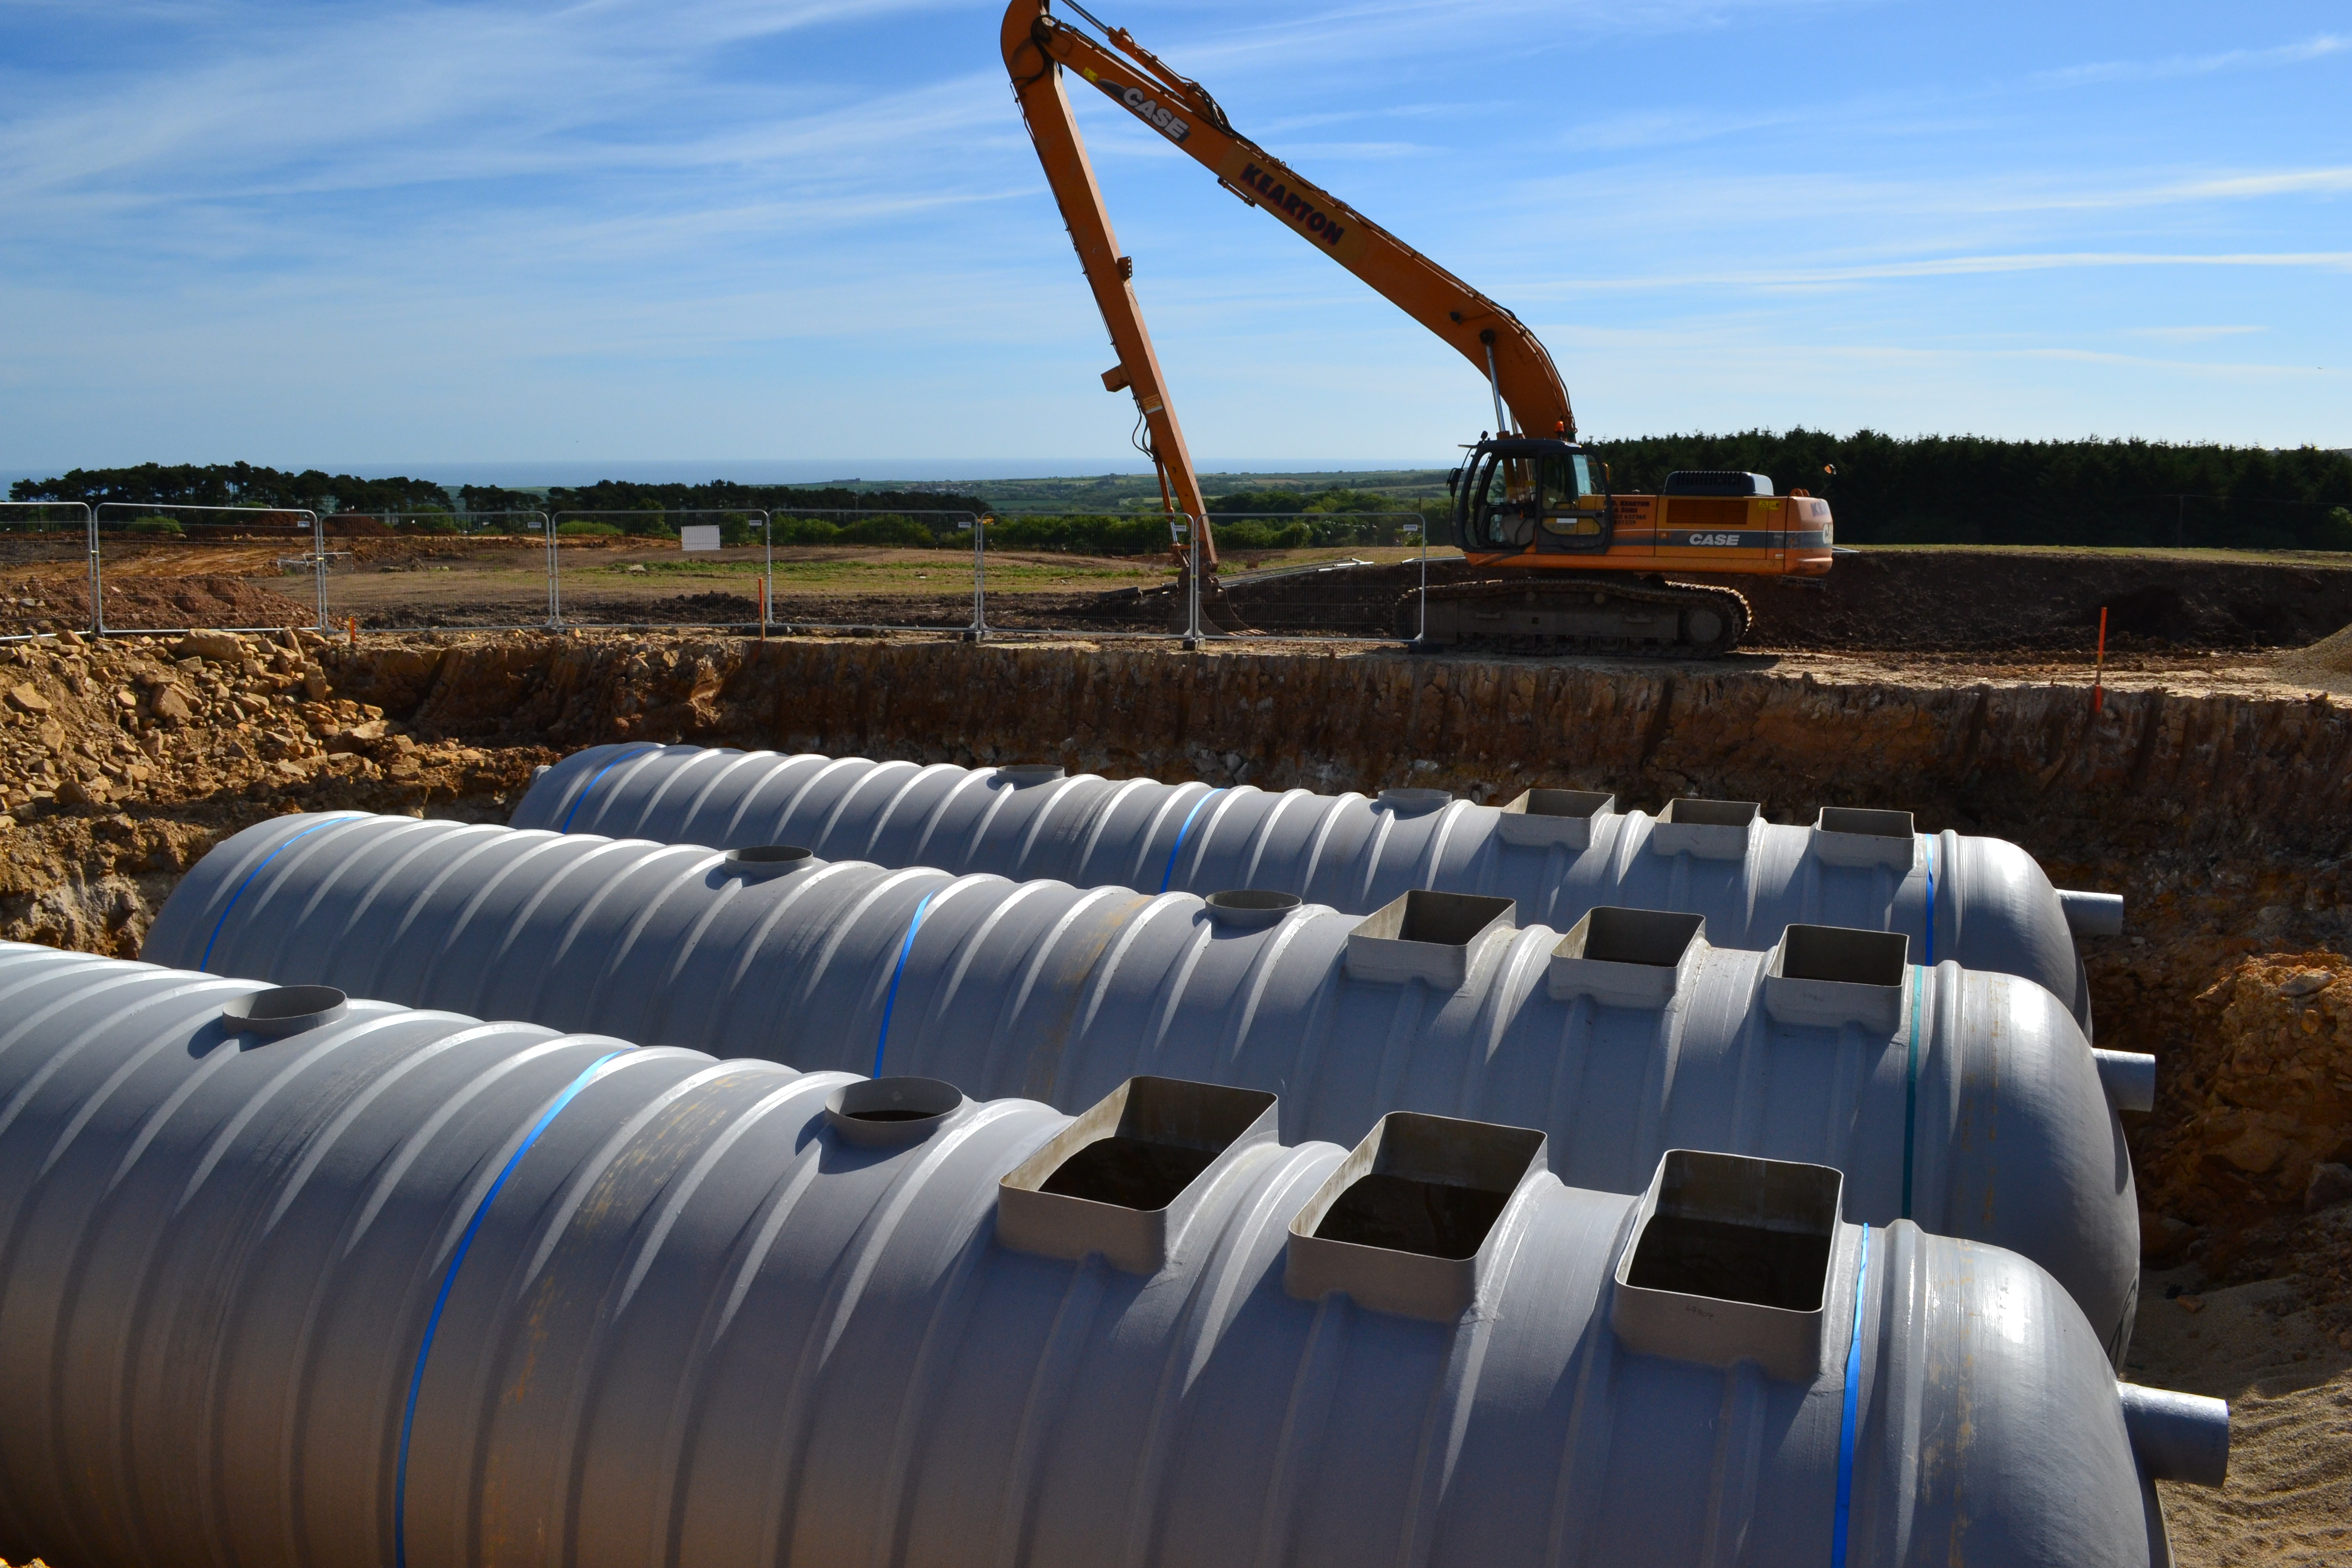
column 1127, row 492
column 854, row 570
column 879, row 571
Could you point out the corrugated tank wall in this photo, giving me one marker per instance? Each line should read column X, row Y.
column 325, row 1285
column 1969, row 1102
column 1557, row 853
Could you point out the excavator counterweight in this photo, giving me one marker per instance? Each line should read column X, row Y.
column 1568, row 565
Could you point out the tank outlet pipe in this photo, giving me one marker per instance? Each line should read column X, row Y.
column 404, row 1287
column 1620, row 1038
column 1557, row 854
column 2092, row 914
column 2129, row 1077
column 2179, row 1436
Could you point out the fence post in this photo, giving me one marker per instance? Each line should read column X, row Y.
column 318, row 568
column 97, row 583
column 1192, row 531
column 554, row 578
column 1421, row 601
column 980, row 579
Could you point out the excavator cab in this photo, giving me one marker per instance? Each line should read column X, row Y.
column 1530, row 493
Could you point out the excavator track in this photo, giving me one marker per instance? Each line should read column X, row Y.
column 1581, row 612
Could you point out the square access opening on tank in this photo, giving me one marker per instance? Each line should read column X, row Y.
column 1426, row 936
column 1857, row 836
column 1835, row 975
column 1625, row 958
column 1730, row 1262
column 1562, row 816
column 1123, row 1176
column 1706, row 830
column 1406, row 1223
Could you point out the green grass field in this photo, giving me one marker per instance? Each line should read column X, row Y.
column 854, row 570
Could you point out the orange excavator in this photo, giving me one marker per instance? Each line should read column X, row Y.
column 1560, row 564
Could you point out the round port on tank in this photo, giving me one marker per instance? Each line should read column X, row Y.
column 1249, row 909
column 1413, row 802
column 1021, row 775
column 890, row 1111
column 756, row 861
column 284, row 1010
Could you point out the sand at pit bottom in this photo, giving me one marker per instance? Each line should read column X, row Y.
column 2289, row 1383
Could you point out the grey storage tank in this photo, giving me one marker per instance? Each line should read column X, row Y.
column 1556, row 853
column 1967, row 1101
column 294, row 1281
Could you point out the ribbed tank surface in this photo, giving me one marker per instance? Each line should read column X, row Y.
column 1983, row 901
column 1967, row 1101
column 292, row 1281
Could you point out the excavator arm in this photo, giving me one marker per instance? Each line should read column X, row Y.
column 1046, row 109
column 1515, row 362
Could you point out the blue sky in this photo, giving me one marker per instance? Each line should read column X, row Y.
column 372, row 232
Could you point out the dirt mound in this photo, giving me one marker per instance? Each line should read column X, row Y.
column 1974, row 599
column 206, row 600
column 717, row 607
column 203, row 601
column 1939, row 600
column 2327, row 663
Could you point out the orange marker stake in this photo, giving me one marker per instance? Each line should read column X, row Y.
column 2099, row 669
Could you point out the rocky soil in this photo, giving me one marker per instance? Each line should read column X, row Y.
column 122, row 763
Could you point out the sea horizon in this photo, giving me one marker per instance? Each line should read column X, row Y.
column 571, row 471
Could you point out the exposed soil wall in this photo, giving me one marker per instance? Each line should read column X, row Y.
column 2152, row 772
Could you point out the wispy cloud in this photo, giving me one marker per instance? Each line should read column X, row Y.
column 1943, row 267
column 415, row 94
column 1277, row 40
column 2190, row 335
column 2312, row 48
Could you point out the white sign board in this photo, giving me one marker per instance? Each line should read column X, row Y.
column 699, row 536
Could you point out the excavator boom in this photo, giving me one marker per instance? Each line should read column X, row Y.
column 1046, row 109
column 1492, row 339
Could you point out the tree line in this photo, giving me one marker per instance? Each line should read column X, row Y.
column 232, row 484
column 314, row 489
column 1967, row 490
column 1884, row 490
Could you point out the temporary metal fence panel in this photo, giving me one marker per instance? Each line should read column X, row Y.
column 48, row 568
column 1092, row 575
column 702, row 567
column 1617, row 1041
column 1109, row 575
column 1344, row 596
column 901, row 570
column 1556, row 853
column 400, row 571
column 232, row 568
column 294, row 1281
